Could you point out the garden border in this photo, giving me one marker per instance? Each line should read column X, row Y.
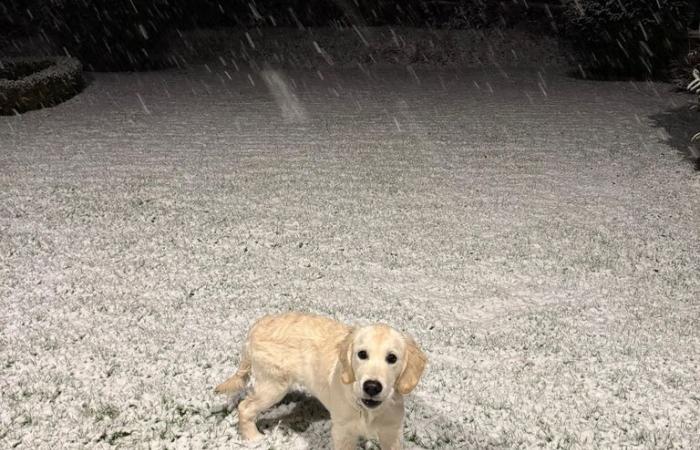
column 50, row 80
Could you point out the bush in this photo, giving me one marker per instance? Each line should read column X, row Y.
column 682, row 69
column 626, row 38
column 694, row 87
column 33, row 83
column 319, row 47
column 452, row 14
column 109, row 34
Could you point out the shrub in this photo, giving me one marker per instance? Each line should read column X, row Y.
column 694, row 87
column 625, row 38
column 460, row 14
column 32, row 83
column 682, row 69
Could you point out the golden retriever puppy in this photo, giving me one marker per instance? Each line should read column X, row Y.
column 359, row 374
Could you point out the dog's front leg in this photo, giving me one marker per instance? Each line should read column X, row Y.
column 344, row 437
column 391, row 438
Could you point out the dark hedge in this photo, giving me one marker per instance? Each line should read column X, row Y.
column 33, row 83
column 626, row 38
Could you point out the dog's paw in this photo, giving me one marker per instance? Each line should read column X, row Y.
column 251, row 436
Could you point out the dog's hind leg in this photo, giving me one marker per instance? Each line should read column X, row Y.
column 238, row 381
column 264, row 395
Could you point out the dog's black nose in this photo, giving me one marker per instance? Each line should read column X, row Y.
column 372, row 387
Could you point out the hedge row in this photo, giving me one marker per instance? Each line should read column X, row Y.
column 324, row 47
column 627, row 38
column 33, row 83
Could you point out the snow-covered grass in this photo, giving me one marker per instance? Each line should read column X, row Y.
column 533, row 232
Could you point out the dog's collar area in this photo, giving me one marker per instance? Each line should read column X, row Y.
column 369, row 403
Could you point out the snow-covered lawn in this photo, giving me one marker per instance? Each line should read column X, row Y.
column 533, row 232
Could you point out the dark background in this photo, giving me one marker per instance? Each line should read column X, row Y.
column 625, row 38
column 18, row 16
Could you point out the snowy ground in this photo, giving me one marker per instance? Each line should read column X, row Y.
column 535, row 234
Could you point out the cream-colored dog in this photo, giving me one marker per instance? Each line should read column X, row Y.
column 359, row 374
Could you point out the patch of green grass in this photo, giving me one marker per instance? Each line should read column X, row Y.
column 101, row 412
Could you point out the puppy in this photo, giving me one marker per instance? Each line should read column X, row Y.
column 359, row 374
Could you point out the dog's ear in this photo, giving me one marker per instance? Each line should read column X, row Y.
column 415, row 361
column 347, row 375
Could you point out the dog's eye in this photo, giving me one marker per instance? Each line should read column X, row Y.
column 362, row 354
column 391, row 358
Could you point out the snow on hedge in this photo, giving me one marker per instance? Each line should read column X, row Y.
column 33, row 83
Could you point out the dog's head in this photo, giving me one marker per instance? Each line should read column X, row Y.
column 378, row 360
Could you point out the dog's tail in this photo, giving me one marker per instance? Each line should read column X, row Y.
column 239, row 380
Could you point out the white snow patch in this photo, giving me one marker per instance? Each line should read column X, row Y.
column 285, row 98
